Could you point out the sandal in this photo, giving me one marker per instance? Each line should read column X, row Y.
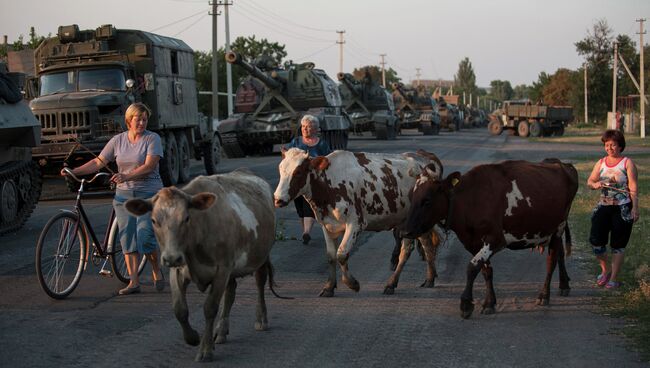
column 613, row 285
column 602, row 280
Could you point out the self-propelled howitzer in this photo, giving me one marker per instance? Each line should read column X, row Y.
column 270, row 103
column 415, row 110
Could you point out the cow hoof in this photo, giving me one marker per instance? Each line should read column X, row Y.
column 389, row 290
column 261, row 326
column 221, row 339
column 466, row 309
column 327, row 293
column 428, row 283
column 352, row 284
column 466, row 314
column 564, row 292
column 204, row 357
column 192, row 338
column 542, row 301
column 488, row 310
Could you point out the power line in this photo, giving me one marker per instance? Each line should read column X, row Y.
column 274, row 27
column 178, row 21
column 269, row 12
column 317, row 52
column 191, row 25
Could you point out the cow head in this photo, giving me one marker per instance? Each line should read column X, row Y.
column 429, row 202
column 170, row 214
column 295, row 169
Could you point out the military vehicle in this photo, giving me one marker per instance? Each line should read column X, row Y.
column 88, row 78
column 522, row 118
column 369, row 106
column 271, row 101
column 450, row 115
column 20, row 178
column 415, row 110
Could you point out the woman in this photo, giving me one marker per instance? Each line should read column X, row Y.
column 315, row 146
column 137, row 153
column 618, row 208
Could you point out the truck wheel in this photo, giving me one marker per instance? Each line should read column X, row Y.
column 495, row 128
column 427, row 129
column 560, row 131
column 536, row 129
column 211, row 155
column 522, row 129
column 382, row 131
column 169, row 165
column 184, row 155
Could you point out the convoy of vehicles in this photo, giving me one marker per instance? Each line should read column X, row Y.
column 415, row 109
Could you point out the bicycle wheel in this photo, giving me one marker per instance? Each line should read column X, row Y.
column 60, row 255
column 118, row 263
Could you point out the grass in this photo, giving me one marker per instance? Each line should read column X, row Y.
column 633, row 300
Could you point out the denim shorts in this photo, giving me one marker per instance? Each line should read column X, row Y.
column 136, row 232
column 613, row 222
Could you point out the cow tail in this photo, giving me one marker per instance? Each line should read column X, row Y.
column 270, row 271
column 567, row 240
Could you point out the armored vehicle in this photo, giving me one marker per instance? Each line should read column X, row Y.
column 450, row 115
column 20, row 178
column 415, row 109
column 523, row 118
column 88, row 78
column 369, row 106
column 271, row 101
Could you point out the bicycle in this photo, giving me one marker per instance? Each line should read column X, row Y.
column 63, row 247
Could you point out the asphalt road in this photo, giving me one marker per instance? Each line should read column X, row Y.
column 414, row 327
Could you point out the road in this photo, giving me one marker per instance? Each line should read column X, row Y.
column 414, row 327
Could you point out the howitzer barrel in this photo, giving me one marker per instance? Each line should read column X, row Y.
column 234, row 58
column 347, row 80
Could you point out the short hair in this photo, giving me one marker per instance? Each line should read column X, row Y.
column 614, row 135
column 137, row 108
column 312, row 119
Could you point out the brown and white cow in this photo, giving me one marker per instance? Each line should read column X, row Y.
column 513, row 204
column 214, row 230
column 352, row 192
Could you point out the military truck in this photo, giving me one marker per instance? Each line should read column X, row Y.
column 271, row 101
column 20, row 179
column 415, row 110
column 369, row 106
column 523, row 118
column 88, row 78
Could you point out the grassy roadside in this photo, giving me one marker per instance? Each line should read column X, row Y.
column 632, row 302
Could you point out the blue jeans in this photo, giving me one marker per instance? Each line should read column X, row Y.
column 136, row 232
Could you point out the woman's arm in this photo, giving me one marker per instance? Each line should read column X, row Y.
column 89, row 167
column 594, row 179
column 141, row 171
column 633, row 187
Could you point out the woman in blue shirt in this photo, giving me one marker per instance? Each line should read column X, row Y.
column 315, row 146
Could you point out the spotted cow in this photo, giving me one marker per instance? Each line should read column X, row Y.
column 513, row 204
column 352, row 192
column 214, row 230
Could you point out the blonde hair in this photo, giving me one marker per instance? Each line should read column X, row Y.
column 137, row 108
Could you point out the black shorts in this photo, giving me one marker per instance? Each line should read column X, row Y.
column 613, row 222
column 302, row 207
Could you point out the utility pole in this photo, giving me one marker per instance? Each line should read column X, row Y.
column 464, row 101
column 615, row 70
column 586, row 99
column 215, row 76
column 642, row 77
column 340, row 42
column 417, row 75
column 383, row 70
column 228, row 66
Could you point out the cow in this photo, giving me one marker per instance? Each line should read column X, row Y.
column 215, row 229
column 352, row 192
column 513, row 204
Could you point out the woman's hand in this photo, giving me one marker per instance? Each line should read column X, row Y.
column 635, row 215
column 596, row 185
column 119, row 178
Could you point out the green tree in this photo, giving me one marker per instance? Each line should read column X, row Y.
column 375, row 74
column 251, row 48
column 500, row 90
column 465, row 79
column 537, row 89
column 521, row 91
column 561, row 88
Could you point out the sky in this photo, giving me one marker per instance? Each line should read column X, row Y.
column 510, row 40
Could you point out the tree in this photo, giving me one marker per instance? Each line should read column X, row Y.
column 465, row 79
column 560, row 88
column 250, row 49
column 536, row 90
column 521, row 92
column 375, row 74
column 500, row 90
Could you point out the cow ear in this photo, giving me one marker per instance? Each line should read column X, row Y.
column 319, row 163
column 283, row 151
column 138, row 207
column 452, row 180
column 202, row 201
column 433, row 171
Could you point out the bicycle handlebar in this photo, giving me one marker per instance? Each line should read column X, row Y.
column 69, row 173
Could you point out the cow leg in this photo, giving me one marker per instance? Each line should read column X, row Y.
column 223, row 325
column 330, row 285
column 564, row 275
column 343, row 254
column 178, row 285
column 490, row 298
column 210, row 311
column 397, row 250
column 405, row 252
column 430, row 243
column 555, row 246
column 467, row 298
column 261, row 320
